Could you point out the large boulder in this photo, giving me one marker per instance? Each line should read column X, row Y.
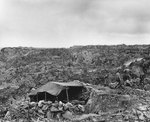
column 101, row 102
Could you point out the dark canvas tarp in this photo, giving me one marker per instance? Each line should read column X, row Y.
column 54, row 88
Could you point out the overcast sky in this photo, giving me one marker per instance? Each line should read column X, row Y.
column 64, row 23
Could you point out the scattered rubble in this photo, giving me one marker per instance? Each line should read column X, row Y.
column 134, row 74
column 104, row 105
column 127, row 99
column 44, row 110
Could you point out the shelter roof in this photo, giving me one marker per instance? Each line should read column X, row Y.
column 54, row 88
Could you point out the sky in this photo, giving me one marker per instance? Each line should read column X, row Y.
column 65, row 23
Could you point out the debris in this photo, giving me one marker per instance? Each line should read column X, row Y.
column 40, row 103
column 81, row 108
column 85, row 117
column 68, row 115
column 7, row 116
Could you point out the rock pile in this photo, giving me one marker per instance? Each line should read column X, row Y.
column 44, row 110
column 112, row 105
column 134, row 73
column 103, row 105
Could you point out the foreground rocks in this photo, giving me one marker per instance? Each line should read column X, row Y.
column 43, row 110
column 104, row 105
column 126, row 99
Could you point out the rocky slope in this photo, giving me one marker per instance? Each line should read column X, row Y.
column 120, row 76
column 22, row 68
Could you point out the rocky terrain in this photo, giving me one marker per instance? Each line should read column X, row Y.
column 116, row 73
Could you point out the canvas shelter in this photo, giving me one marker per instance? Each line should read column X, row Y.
column 52, row 91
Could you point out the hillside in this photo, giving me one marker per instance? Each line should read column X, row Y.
column 22, row 68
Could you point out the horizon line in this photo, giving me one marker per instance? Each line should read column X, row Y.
column 76, row 46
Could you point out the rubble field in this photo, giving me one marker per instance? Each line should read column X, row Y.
column 121, row 94
column 103, row 105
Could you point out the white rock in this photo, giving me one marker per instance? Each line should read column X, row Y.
column 143, row 107
column 147, row 114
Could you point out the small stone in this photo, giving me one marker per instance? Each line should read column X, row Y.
column 147, row 114
column 147, row 87
column 40, row 103
column 40, row 111
column 45, row 107
column 68, row 115
column 141, row 115
column 54, row 109
column 143, row 107
column 126, row 118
